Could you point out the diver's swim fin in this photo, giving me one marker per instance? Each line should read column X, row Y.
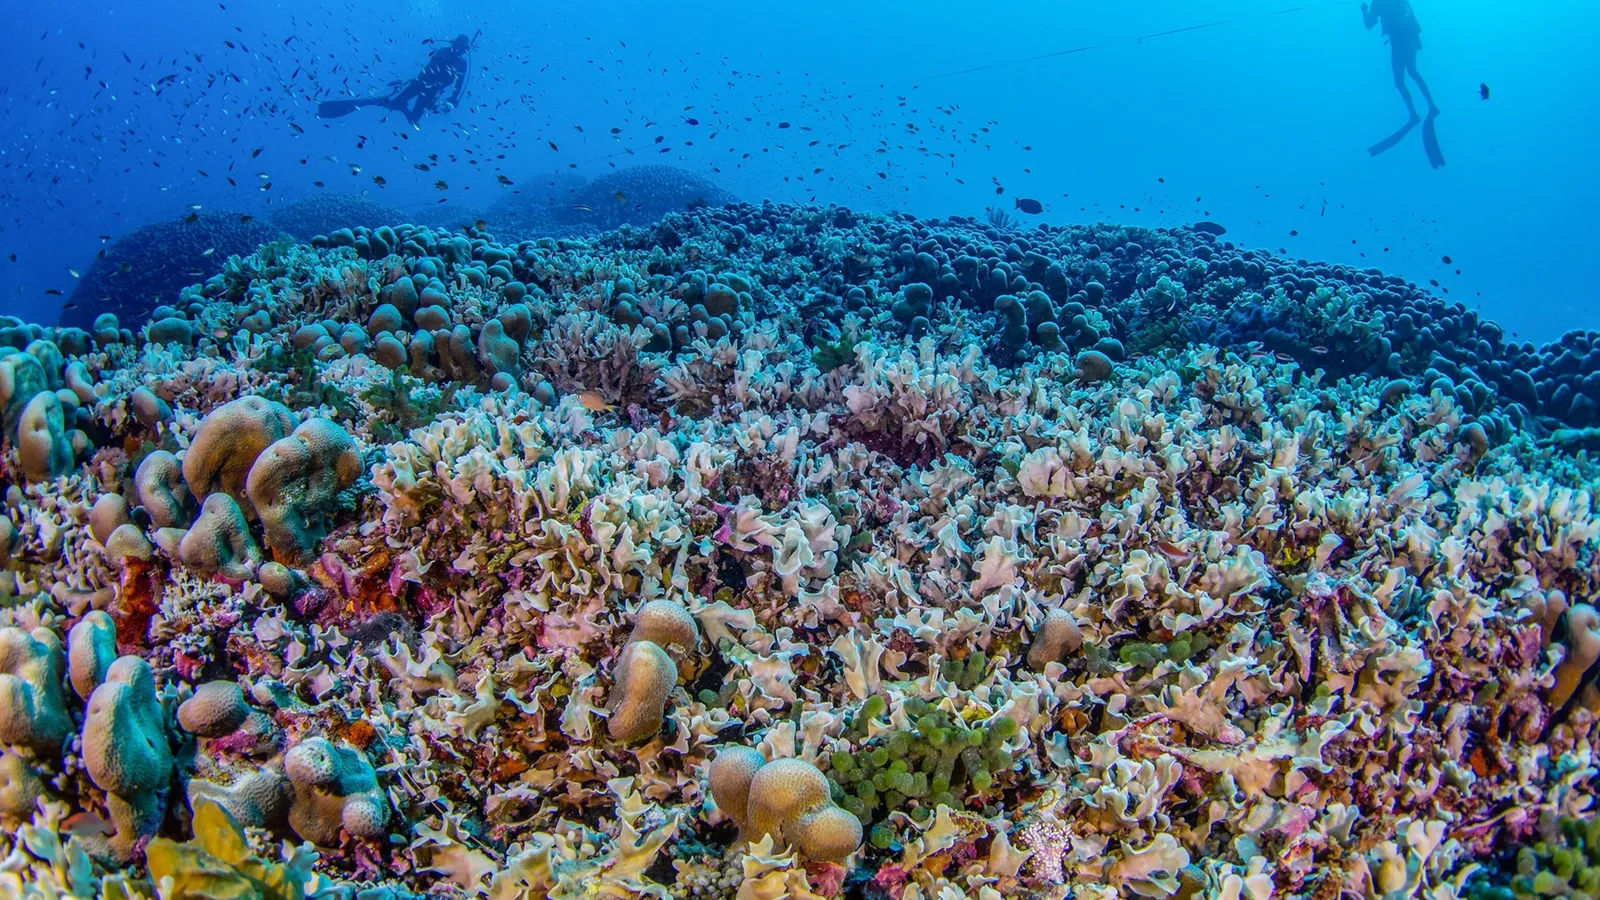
column 333, row 109
column 1430, row 142
column 1388, row 143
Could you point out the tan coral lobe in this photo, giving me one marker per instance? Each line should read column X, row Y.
column 644, row 678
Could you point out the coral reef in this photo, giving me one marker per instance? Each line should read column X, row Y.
column 327, row 213
column 151, row 265
column 770, row 551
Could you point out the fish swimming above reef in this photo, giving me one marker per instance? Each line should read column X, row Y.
column 1209, row 228
column 1031, row 207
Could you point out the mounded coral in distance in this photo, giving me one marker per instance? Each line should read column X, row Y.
column 151, row 265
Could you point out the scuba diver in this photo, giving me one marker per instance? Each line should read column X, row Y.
column 1405, row 39
column 446, row 66
column 1400, row 26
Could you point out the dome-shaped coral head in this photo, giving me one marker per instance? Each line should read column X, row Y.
column 665, row 623
column 644, row 677
column 730, row 774
column 33, row 710
column 790, row 800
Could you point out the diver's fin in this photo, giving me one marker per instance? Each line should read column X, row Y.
column 1430, row 142
column 333, row 109
column 1388, row 143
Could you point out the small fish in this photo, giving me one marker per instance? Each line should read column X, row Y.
column 1211, row 228
column 1173, row 552
column 441, row 185
column 379, row 180
column 52, row 292
column 191, row 218
column 691, row 121
column 1031, row 207
column 583, row 207
column 257, row 152
column 247, row 218
column 553, row 146
column 621, row 197
column 1447, row 260
column 209, row 251
column 1319, row 350
column 86, row 824
column 593, row 402
column 504, row 180
column 1483, row 91
column 74, row 273
column 783, row 124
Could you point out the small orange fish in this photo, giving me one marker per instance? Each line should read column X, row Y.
column 86, row 824
column 593, row 402
column 1172, row 551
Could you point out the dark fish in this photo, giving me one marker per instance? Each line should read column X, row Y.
column 256, row 152
column 504, row 180
column 379, row 180
column 1031, row 207
column 192, row 218
column 1446, row 259
column 1483, row 91
column 1209, row 228
column 783, row 124
column 553, row 146
column 691, row 121
column 52, row 292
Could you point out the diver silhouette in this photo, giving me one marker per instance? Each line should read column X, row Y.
column 1404, row 32
column 446, row 66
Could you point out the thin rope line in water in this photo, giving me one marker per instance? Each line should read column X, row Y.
column 915, row 82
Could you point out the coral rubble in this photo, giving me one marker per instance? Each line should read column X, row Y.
column 771, row 551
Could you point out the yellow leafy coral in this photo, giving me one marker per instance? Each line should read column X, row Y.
column 218, row 865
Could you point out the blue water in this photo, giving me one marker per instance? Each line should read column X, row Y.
column 1259, row 120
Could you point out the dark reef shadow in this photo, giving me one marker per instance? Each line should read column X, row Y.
column 1388, row 143
column 1430, row 141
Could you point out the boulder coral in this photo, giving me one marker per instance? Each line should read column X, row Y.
column 162, row 492
column 227, row 443
column 220, row 541
column 645, row 673
column 43, row 447
column 126, row 753
column 787, row 799
column 295, row 481
column 33, row 712
column 335, row 789
column 91, row 649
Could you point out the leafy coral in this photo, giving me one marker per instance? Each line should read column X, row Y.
column 218, row 864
